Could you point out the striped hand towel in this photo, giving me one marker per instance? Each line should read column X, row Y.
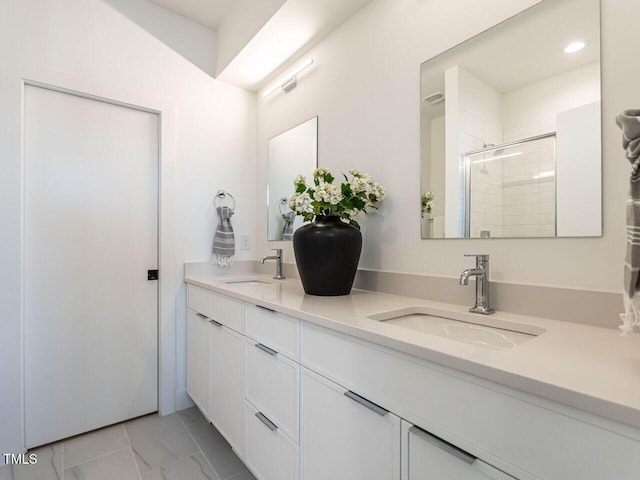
column 287, row 230
column 224, row 242
column 629, row 122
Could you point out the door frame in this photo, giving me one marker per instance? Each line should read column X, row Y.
column 168, row 281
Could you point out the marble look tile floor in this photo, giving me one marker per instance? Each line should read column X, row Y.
column 182, row 446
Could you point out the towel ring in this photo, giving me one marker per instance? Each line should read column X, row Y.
column 284, row 202
column 221, row 196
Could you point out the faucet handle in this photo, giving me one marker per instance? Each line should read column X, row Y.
column 278, row 251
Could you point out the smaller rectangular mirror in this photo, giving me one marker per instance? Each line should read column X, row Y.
column 290, row 153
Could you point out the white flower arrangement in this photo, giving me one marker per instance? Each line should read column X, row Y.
column 326, row 199
column 427, row 201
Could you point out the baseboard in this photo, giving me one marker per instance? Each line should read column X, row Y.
column 183, row 401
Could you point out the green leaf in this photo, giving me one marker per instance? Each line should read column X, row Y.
column 328, row 178
column 358, row 203
column 300, row 188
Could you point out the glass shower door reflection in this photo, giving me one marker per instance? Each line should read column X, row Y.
column 511, row 189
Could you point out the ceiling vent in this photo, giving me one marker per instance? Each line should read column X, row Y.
column 434, row 98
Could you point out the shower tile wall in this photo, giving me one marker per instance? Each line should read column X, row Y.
column 528, row 193
column 480, row 125
column 486, row 202
column 513, row 190
column 486, row 196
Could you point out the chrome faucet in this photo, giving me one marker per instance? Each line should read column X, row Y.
column 278, row 258
column 481, row 272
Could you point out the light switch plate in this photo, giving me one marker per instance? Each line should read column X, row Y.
column 245, row 242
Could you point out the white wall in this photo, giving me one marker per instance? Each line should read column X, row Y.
column 532, row 110
column 454, row 196
column 435, row 175
column 365, row 90
column 243, row 22
column 193, row 41
column 212, row 129
column 578, row 208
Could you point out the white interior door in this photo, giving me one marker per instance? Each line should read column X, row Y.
column 91, row 234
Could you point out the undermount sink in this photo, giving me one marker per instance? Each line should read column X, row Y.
column 248, row 281
column 463, row 327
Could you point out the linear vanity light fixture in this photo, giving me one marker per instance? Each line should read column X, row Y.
column 289, row 81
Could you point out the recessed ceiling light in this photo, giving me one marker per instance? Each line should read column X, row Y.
column 574, row 47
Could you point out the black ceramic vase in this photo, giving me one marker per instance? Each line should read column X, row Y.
column 327, row 253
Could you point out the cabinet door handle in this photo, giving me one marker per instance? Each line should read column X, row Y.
column 443, row 445
column 264, row 348
column 265, row 308
column 213, row 322
column 204, row 317
column 272, row 426
column 366, row 403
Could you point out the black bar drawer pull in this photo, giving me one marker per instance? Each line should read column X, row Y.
column 366, row 403
column 264, row 348
column 272, row 426
column 265, row 308
column 443, row 445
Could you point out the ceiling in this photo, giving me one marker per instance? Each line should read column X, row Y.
column 526, row 49
column 210, row 13
column 255, row 39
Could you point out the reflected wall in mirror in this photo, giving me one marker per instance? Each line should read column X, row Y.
column 291, row 153
column 510, row 129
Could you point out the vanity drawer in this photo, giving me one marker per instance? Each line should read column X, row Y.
column 272, row 386
column 523, row 435
column 273, row 329
column 269, row 454
column 426, row 456
column 225, row 310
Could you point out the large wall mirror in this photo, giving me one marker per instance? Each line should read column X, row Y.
column 291, row 153
column 510, row 128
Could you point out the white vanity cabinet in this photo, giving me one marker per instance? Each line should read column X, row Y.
column 272, row 386
column 198, row 360
column 269, row 453
column 345, row 436
column 215, row 361
column 427, row 457
column 528, row 437
column 299, row 401
column 272, row 394
column 227, row 394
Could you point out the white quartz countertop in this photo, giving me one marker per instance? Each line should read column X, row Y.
column 593, row 369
